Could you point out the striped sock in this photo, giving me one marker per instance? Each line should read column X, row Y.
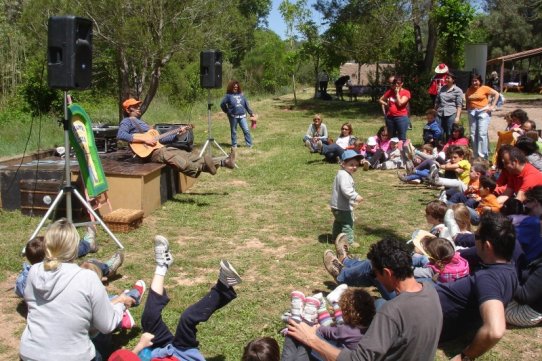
column 324, row 318
column 338, row 314
column 298, row 302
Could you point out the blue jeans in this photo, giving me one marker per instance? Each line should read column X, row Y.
column 244, row 127
column 479, row 125
column 397, row 126
column 332, row 151
column 360, row 273
column 446, row 123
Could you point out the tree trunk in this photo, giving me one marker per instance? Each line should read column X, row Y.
column 431, row 47
column 293, row 85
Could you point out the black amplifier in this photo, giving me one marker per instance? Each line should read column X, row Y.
column 183, row 141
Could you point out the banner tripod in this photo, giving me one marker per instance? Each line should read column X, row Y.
column 67, row 191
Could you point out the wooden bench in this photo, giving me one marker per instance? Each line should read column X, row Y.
column 517, row 88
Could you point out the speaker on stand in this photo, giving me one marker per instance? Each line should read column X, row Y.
column 69, row 66
column 210, row 78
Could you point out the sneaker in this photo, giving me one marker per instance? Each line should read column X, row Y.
column 209, row 165
column 335, row 295
column 433, row 174
column 137, row 291
column 341, row 246
column 228, row 275
column 127, row 321
column 332, row 264
column 402, row 177
column 90, row 238
column 308, row 144
column 162, row 255
column 442, row 197
column 409, row 166
column 415, row 181
column 115, row 262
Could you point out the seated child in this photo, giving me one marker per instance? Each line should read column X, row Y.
column 458, row 164
column 457, row 220
column 434, row 214
column 470, row 197
column 393, row 156
column 488, row 200
column 527, row 227
column 357, row 309
column 183, row 344
column 445, row 264
column 35, row 253
column 432, row 132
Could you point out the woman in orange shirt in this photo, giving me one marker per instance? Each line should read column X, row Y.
column 479, row 110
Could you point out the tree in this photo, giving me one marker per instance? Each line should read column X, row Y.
column 294, row 15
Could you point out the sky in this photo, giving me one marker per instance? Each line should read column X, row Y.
column 276, row 23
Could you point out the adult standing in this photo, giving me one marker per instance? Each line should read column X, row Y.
column 323, row 80
column 404, row 328
column 437, row 82
column 339, row 84
column 396, row 100
column 235, row 105
column 479, row 110
column 448, row 104
column 65, row 301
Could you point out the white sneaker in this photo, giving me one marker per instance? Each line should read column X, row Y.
column 228, row 275
column 162, row 255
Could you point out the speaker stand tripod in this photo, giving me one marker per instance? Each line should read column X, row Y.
column 210, row 140
column 68, row 189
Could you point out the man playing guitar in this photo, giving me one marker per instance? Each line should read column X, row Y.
column 142, row 139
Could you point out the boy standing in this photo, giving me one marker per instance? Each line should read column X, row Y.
column 344, row 196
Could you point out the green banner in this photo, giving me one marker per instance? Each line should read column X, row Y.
column 82, row 141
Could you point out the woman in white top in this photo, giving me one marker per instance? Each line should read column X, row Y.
column 65, row 302
column 344, row 141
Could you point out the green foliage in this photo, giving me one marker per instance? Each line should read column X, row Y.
column 264, row 68
column 35, row 91
column 453, row 18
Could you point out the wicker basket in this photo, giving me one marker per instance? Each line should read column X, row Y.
column 123, row 220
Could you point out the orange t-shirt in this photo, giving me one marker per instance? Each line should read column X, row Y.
column 479, row 98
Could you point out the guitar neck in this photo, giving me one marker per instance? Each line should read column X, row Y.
column 173, row 131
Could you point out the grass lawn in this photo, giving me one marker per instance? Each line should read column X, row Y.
column 269, row 218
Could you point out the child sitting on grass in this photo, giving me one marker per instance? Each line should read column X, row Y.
column 358, row 309
column 35, row 253
column 459, row 164
column 488, row 200
column 344, row 197
column 470, row 197
column 445, row 264
column 432, row 132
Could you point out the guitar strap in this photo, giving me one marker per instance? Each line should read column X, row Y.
column 136, row 124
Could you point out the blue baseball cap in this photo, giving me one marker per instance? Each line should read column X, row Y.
column 349, row 154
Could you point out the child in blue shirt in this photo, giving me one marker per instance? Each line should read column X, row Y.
column 432, row 132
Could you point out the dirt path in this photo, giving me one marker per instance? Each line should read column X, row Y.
column 533, row 109
column 11, row 321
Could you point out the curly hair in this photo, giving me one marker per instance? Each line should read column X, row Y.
column 262, row 349
column 229, row 88
column 394, row 255
column 357, row 306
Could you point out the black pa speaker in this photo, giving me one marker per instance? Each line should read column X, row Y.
column 210, row 69
column 69, row 52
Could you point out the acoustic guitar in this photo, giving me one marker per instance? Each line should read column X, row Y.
column 143, row 150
